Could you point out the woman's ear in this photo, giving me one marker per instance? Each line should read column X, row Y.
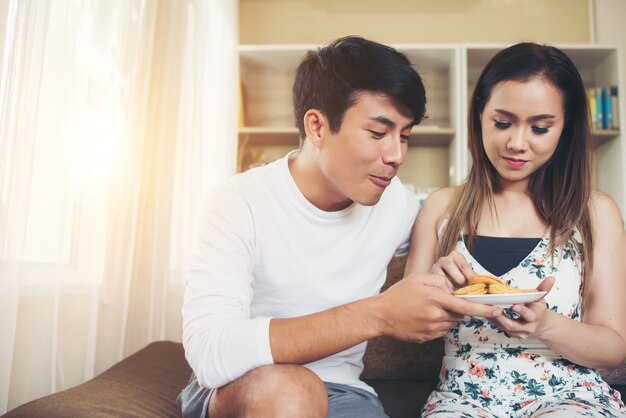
column 314, row 123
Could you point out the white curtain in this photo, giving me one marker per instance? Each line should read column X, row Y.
column 116, row 118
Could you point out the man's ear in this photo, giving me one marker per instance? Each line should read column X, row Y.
column 314, row 125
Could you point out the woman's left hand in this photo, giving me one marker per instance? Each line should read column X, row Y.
column 532, row 320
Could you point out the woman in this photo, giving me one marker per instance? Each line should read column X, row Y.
column 527, row 215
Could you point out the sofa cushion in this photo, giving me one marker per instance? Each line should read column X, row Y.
column 386, row 358
column 402, row 398
column 615, row 376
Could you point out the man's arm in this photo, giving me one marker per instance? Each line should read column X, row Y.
column 221, row 340
column 418, row 308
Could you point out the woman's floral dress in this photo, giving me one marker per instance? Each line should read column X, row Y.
column 485, row 373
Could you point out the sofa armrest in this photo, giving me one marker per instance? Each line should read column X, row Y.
column 144, row 384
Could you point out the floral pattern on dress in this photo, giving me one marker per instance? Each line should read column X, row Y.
column 486, row 373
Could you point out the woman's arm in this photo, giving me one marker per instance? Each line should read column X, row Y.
column 600, row 340
column 424, row 242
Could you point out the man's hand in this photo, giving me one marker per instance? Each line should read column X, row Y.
column 420, row 308
column 455, row 267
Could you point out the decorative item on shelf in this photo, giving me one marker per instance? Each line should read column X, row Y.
column 251, row 158
column 420, row 191
column 421, row 197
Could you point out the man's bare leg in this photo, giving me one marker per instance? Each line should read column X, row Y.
column 272, row 391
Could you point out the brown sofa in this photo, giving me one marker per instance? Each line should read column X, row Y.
column 147, row 383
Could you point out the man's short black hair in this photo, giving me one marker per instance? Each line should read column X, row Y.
column 330, row 79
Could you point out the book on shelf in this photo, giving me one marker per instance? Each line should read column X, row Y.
column 242, row 118
column 614, row 101
column 600, row 113
column 603, row 106
column 591, row 99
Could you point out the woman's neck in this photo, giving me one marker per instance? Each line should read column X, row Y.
column 513, row 215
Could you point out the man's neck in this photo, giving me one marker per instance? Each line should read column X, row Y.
column 313, row 183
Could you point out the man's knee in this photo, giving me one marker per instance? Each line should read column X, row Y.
column 272, row 391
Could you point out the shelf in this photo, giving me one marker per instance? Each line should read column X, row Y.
column 431, row 136
column 421, row 136
column 269, row 136
column 600, row 137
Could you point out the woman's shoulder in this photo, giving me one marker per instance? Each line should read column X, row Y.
column 438, row 203
column 603, row 205
column 604, row 210
column 442, row 198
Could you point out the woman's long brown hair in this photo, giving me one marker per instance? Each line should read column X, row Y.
column 561, row 188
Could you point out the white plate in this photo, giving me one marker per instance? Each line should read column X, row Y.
column 505, row 300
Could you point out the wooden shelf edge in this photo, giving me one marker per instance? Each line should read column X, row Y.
column 600, row 137
column 269, row 136
column 608, row 133
column 277, row 130
column 287, row 136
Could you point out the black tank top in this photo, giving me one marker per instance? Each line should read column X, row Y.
column 499, row 255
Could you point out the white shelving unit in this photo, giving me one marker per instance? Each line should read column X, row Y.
column 438, row 154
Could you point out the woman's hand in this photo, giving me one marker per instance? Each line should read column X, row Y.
column 534, row 317
column 455, row 267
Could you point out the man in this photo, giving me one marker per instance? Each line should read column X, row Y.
column 283, row 289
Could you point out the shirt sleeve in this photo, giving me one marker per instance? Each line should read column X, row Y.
column 412, row 209
column 221, row 340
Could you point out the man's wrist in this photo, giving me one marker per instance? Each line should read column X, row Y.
column 371, row 310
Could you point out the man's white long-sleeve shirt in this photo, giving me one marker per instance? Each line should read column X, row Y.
column 265, row 251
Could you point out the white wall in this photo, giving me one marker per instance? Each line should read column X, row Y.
column 607, row 27
column 414, row 21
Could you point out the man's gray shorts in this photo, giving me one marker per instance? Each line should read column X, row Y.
column 343, row 401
